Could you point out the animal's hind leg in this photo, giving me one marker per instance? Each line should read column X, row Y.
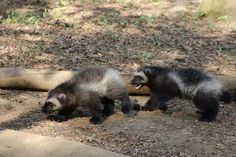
column 150, row 104
column 108, row 106
column 208, row 105
column 126, row 105
column 120, row 93
column 95, row 110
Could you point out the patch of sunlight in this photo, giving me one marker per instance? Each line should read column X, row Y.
column 221, row 69
column 70, row 14
column 91, row 27
column 45, row 56
column 30, row 37
column 175, row 55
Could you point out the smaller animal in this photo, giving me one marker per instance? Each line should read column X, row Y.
column 93, row 87
column 166, row 83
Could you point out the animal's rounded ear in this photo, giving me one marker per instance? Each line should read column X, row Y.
column 148, row 71
column 61, row 96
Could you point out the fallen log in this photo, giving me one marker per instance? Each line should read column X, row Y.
column 30, row 79
column 43, row 80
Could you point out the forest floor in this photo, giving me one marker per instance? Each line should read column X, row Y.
column 123, row 34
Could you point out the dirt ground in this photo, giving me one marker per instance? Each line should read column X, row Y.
column 123, row 34
column 175, row 133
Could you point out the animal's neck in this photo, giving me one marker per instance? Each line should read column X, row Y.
column 152, row 85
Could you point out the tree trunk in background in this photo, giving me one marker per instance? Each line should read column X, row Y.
column 218, row 7
column 43, row 80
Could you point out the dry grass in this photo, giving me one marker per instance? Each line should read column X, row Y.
column 69, row 34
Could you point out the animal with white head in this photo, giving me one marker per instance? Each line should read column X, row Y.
column 167, row 83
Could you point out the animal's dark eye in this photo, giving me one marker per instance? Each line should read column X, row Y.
column 54, row 105
column 50, row 104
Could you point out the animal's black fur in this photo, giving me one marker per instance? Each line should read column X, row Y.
column 226, row 97
column 166, row 83
column 92, row 87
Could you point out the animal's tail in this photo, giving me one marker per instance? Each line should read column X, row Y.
column 226, row 97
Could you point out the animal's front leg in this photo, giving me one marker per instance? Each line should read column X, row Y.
column 151, row 104
column 156, row 101
column 63, row 115
column 162, row 103
column 108, row 106
column 126, row 105
column 96, row 112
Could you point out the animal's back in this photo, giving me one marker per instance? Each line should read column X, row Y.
column 90, row 74
column 191, row 76
column 192, row 81
column 99, row 79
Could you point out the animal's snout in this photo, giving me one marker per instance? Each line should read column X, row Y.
column 47, row 107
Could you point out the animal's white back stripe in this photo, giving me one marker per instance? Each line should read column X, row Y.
column 111, row 76
column 190, row 91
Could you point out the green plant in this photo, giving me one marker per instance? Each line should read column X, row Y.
column 94, row 1
column 45, row 13
column 62, row 3
column 33, row 55
column 26, row 18
column 103, row 19
column 56, row 15
column 223, row 18
column 146, row 19
column 110, row 17
column 120, row 1
column 210, row 25
column 65, row 25
column 126, row 52
column 13, row 17
column 219, row 50
column 112, row 35
column 40, row 46
column 32, row 19
column 199, row 14
column 112, row 12
column 155, row 40
column 123, row 23
column 145, row 56
column 51, row 128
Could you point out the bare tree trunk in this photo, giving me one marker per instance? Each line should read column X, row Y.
column 218, row 8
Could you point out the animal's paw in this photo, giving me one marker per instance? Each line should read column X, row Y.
column 131, row 113
column 147, row 107
column 163, row 107
column 206, row 119
column 126, row 108
column 137, row 107
column 96, row 120
column 107, row 112
column 57, row 118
